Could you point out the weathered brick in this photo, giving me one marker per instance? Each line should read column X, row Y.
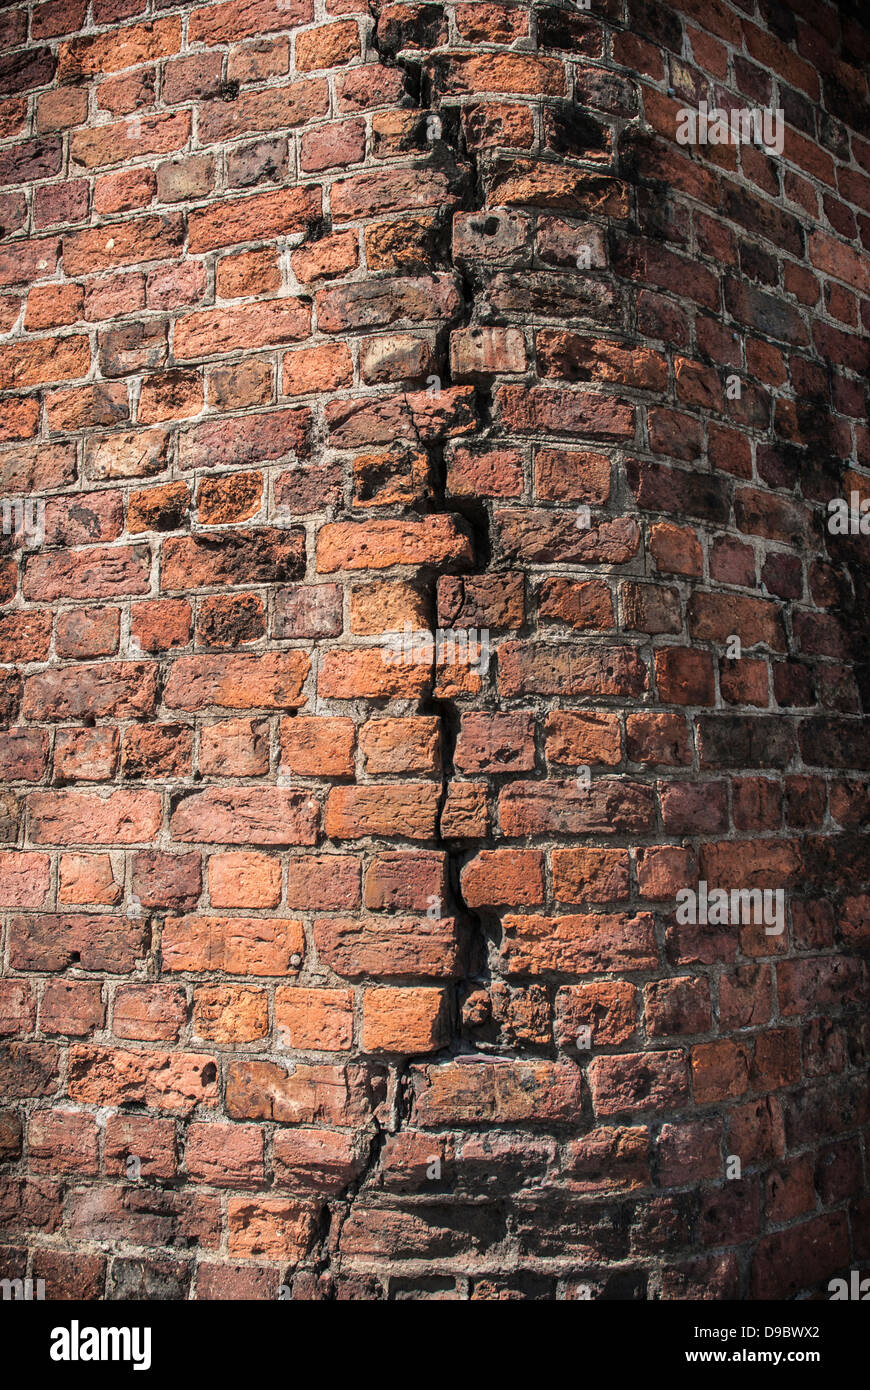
column 87, row 818
column 259, row 816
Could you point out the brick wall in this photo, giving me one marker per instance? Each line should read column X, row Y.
column 362, row 975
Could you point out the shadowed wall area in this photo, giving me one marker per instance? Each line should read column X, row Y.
column 433, row 616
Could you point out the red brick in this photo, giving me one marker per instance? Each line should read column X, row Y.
column 503, row 876
column 237, row 945
column 403, row 1020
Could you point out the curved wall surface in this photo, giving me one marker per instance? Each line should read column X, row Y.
column 434, row 585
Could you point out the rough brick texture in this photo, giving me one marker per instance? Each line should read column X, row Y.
column 360, row 976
